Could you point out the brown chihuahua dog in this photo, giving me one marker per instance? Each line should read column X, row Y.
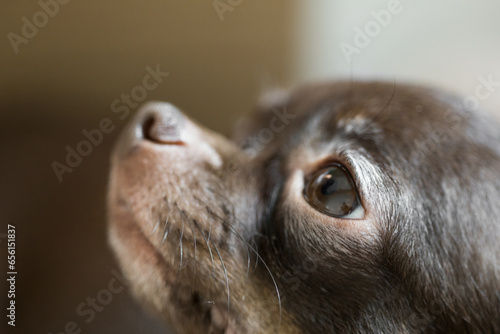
column 341, row 208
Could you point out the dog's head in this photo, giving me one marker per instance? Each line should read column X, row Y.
column 356, row 207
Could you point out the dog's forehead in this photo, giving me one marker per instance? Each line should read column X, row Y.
column 374, row 111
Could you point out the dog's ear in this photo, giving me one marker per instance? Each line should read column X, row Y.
column 247, row 128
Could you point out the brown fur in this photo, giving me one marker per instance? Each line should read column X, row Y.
column 217, row 237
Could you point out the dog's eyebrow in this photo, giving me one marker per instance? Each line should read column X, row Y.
column 351, row 122
column 360, row 126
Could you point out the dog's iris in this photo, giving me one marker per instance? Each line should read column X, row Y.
column 332, row 191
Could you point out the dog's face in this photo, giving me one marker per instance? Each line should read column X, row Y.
column 356, row 207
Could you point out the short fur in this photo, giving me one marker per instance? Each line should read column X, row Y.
column 217, row 237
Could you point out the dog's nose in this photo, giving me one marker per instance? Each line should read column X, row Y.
column 160, row 123
column 156, row 122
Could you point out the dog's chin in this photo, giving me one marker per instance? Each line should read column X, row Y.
column 156, row 282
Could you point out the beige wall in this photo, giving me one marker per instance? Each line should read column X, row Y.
column 90, row 52
column 448, row 44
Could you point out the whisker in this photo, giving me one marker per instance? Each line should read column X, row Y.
column 208, row 246
column 231, row 228
column 195, row 257
column 180, row 242
column 274, row 282
column 165, row 234
column 378, row 114
column 249, row 247
column 225, row 276
column 267, row 268
column 156, row 227
column 184, row 218
column 257, row 248
column 230, row 204
column 165, row 230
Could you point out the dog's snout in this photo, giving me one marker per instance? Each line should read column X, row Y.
column 160, row 128
column 161, row 123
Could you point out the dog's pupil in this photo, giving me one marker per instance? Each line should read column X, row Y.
column 329, row 187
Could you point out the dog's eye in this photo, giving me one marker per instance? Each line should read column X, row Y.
column 332, row 191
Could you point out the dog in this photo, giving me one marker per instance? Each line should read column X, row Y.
column 346, row 207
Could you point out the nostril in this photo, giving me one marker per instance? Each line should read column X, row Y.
column 147, row 125
column 162, row 129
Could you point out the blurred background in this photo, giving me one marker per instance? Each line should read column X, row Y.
column 66, row 65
